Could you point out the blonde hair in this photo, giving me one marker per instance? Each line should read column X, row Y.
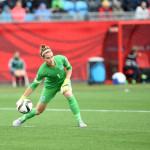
column 133, row 50
column 44, row 48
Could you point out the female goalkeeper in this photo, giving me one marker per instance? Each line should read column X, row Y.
column 56, row 79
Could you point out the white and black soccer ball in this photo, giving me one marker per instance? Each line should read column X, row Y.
column 119, row 78
column 24, row 106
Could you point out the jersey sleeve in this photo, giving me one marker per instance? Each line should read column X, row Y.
column 67, row 64
column 23, row 64
column 38, row 79
column 10, row 65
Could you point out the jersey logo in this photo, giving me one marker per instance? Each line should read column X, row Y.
column 62, row 67
column 43, row 98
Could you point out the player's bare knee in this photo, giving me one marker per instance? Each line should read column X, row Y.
column 38, row 111
column 40, row 108
column 68, row 94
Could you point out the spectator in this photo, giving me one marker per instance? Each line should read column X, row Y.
column 105, row 11
column 131, row 5
column 1, row 7
column 131, row 63
column 10, row 3
column 18, row 13
column 17, row 68
column 58, row 10
column 6, row 14
column 32, row 5
column 69, row 6
column 118, row 10
column 93, row 5
column 142, row 11
column 110, row 3
column 42, row 13
column 57, row 3
column 27, row 4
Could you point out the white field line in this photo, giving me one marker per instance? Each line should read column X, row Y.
column 89, row 110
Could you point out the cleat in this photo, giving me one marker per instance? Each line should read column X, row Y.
column 81, row 124
column 17, row 122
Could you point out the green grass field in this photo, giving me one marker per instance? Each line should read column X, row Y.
column 124, row 125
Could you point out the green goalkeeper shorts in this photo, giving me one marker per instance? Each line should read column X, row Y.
column 48, row 93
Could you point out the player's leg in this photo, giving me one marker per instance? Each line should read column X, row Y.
column 20, row 74
column 135, row 75
column 46, row 97
column 74, row 107
column 23, row 80
column 17, row 80
column 17, row 76
column 35, row 111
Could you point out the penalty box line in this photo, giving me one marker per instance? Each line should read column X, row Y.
column 89, row 110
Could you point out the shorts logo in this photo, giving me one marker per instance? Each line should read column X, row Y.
column 61, row 68
column 43, row 98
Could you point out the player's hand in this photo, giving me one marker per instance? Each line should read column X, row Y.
column 65, row 86
column 21, row 98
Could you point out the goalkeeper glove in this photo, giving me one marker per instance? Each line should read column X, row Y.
column 65, row 86
column 21, row 98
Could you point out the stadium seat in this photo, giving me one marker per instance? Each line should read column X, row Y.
column 81, row 7
column 69, row 7
column 143, row 60
column 63, row 1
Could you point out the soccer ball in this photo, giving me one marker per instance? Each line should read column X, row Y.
column 24, row 106
column 119, row 78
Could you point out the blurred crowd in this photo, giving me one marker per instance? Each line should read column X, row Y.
column 20, row 10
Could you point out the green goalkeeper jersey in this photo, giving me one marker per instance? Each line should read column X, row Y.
column 53, row 76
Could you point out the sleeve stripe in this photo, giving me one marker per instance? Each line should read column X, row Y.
column 37, row 81
column 68, row 66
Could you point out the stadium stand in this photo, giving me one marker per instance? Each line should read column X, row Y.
column 93, row 5
column 69, row 7
column 72, row 7
column 81, row 7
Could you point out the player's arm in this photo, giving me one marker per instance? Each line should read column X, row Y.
column 67, row 64
column 32, row 86
column 68, row 74
column 36, row 81
column 26, row 93
column 65, row 86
